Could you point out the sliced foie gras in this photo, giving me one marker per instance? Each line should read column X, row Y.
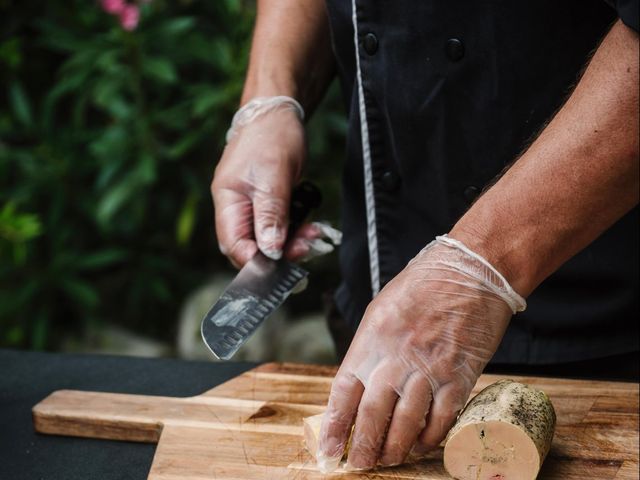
column 504, row 433
column 312, row 432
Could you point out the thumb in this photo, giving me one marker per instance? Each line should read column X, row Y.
column 271, row 218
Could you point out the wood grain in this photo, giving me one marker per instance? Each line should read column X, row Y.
column 250, row 427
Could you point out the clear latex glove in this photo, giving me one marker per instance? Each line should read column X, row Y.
column 253, row 181
column 313, row 240
column 418, row 352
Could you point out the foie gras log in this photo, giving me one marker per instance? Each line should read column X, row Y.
column 503, row 433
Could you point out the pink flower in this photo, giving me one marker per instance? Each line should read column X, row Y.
column 114, row 7
column 129, row 17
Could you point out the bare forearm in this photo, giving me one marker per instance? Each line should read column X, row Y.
column 291, row 51
column 576, row 179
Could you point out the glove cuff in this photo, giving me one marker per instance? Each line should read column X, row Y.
column 492, row 279
column 259, row 106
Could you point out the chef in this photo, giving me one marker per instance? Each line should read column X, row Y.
column 489, row 202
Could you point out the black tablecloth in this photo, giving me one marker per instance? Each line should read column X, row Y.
column 28, row 377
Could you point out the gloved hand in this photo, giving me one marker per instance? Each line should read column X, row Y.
column 418, row 352
column 252, row 184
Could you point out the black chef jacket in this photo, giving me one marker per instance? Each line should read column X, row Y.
column 451, row 92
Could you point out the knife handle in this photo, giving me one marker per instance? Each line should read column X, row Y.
column 304, row 198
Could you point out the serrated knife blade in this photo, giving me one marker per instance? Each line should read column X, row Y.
column 260, row 287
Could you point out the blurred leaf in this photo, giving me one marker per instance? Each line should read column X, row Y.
column 14, row 336
column 159, row 69
column 40, row 331
column 79, row 291
column 221, row 54
column 186, row 143
column 112, row 143
column 176, row 117
column 176, row 26
column 67, row 85
column 115, row 198
column 107, row 173
column 19, row 253
column 101, row 259
column 13, row 302
column 18, row 227
column 146, row 170
column 233, row 6
column 209, row 99
column 186, row 220
column 160, row 289
column 57, row 38
column 107, row 61
column 10, row 53
column 20, row 104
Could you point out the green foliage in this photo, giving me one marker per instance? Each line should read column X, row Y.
column 16, row 229
column 108, row 140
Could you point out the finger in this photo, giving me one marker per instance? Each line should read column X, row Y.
column 309, row 241
column 328, row 232
column 447, row 403
column 234, row 225
column 297, row 249
column 241, row 252
column 298, row 246
column 303, row 250
column 307, row 231
column 271, row 218
column 409, row 418
column 346, row 391
column 374, row 414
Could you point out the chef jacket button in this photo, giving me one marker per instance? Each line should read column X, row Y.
column 471, row 193
column 454, row 49
column 390, row 181
column 370, row 43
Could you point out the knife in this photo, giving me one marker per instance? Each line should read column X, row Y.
column 258, row 289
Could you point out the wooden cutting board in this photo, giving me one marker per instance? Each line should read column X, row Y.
column 251, row 427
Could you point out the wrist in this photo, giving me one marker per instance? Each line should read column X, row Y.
column 507, row 253
column 271, row 86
